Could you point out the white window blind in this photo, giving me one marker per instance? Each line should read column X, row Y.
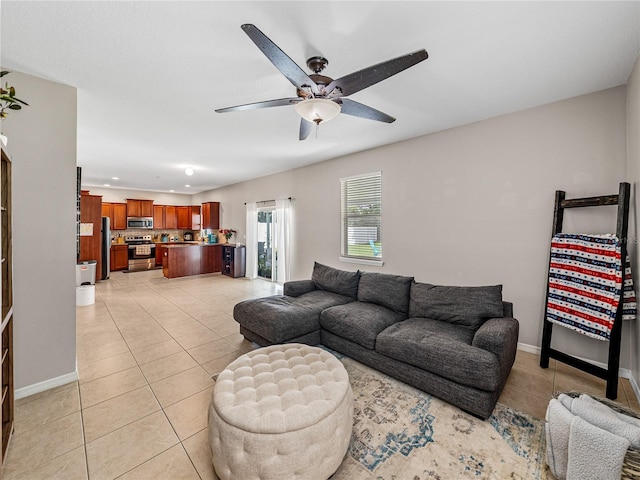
column 360, row 213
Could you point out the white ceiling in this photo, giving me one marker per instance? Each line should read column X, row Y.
column 150, row 74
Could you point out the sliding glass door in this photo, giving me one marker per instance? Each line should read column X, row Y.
column 266, row 258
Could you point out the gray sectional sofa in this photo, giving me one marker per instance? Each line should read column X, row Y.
column 456, row 343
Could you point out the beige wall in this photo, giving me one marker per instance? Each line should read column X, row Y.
column 633, row 156
column 468, row 206
column 42, row 144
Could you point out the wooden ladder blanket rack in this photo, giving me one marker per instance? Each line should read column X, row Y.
column 610, row 374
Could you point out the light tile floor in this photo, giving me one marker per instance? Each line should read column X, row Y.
column 146, row 352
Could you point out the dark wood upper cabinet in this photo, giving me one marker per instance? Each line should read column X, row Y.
column 196, row 218
column 184, row 217
column 158, row 216
column 119, row 217
column 211, row 215
column 117, row 213
column 139, row 208
column 170, row 217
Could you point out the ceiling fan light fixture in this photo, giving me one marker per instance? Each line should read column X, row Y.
column 318, row 110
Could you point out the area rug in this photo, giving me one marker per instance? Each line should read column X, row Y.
column 403, row 433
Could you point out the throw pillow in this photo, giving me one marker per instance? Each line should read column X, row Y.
column 334, row 280
column 391, row 291
column 466, row 306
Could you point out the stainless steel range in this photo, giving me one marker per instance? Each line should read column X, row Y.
column 142, row 252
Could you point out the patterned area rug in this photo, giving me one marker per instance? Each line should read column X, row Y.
column 403, row 433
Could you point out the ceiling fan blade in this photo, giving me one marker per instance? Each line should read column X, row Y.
column 266, row 104
column 359, row 110
column 281, row 60
column 305, row 128
column 364, row 78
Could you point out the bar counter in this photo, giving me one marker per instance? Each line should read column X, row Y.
column 185, row 259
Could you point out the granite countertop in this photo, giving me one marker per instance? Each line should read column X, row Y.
column 188, row 244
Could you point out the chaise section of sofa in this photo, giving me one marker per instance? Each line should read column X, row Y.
column 295, row 316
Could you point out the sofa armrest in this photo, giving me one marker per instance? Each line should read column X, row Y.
column 296, row 288
column 500, row 337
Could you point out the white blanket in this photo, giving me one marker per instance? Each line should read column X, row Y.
column 601, row 416
column 579, row 450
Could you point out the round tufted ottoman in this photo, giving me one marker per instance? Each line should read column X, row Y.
column 281, row 412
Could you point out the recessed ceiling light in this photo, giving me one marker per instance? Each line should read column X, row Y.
column 187, row 186
column 106, row 185
column 115, row 178
column 188, row 171
column 171, row 191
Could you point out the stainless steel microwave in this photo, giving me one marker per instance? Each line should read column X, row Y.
column 140, row 222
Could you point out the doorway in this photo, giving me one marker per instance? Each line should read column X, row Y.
column 266, row 264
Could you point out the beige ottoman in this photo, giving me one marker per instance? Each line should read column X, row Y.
column 282, row 412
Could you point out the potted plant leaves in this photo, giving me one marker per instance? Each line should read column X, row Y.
column 8, row 101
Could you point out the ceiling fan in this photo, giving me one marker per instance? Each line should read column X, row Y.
column 320, row 98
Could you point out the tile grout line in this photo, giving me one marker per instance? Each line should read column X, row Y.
column 162, row 408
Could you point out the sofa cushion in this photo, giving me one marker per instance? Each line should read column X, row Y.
column 391, row 291
column 469, row 307
column 359, row 322
column 441, row 348
column 336, row 281
column 280, row 318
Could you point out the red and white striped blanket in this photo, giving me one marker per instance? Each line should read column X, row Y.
column 585, row 280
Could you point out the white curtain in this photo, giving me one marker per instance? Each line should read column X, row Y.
column 281, row 240
column 252, row 241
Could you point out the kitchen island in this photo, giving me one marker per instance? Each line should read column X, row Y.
column 184, row 259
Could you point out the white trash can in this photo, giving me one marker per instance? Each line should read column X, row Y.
column 85, row 295
column 86, row 272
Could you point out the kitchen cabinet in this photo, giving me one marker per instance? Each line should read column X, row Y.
column 195, row 218
column 139, row 208
column 158, row 217
column 181, row 260
column 233, row 260
column 91, row 245
column 210, row 259
column 183, row 215
column 170, row 217
column 117, row 213
column 119, row 217
column 6, row 281
column 211, row 215
column 119, row 257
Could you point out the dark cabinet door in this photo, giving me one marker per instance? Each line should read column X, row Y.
column 158, row 217
column 184, row 217
column 170, row 217
column 211, row 215
column 119, row 257
column 210, row 259
column 118, row 216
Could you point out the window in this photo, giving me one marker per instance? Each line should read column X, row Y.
column 360, row 214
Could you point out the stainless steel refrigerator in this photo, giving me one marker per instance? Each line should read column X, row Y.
column 106, row 248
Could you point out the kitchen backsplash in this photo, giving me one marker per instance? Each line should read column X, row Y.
column 174, row 235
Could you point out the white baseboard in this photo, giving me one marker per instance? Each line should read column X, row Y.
column 46, row 385
column 622, row 372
